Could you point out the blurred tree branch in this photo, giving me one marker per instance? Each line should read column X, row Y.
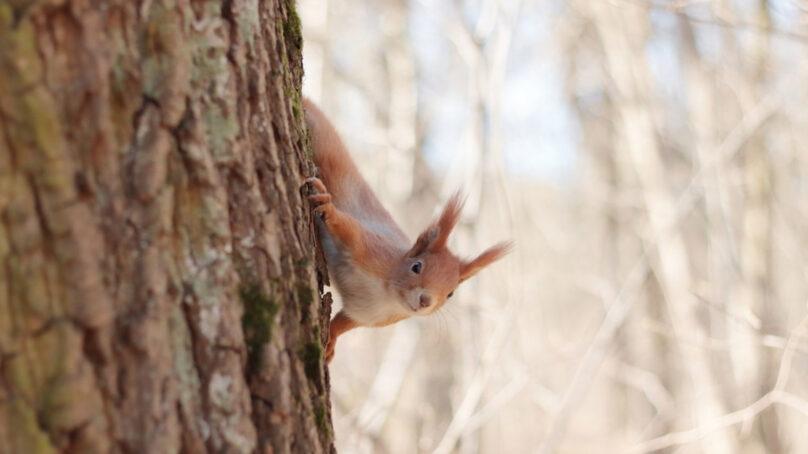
column 777, row 395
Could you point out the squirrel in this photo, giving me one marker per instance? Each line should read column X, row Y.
column 381, row 275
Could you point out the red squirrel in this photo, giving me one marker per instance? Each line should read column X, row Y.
column 381, row 275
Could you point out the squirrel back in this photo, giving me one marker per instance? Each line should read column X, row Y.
column 349, row 190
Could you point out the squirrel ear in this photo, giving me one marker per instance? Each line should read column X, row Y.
column 434, row 238
column 448, row 220
column 469, row 269
column 423, row 242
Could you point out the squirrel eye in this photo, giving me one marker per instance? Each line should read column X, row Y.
column 416, row 267
column 450, row 294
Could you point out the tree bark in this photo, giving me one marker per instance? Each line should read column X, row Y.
column 159, row 287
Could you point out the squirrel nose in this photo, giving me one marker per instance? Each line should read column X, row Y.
column 425, row 301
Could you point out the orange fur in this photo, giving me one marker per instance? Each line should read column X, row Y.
column 470, row 268
column 390, row 321
column 339, row 325
column 382, row 276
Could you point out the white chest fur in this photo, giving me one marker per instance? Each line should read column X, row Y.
column 365, row 298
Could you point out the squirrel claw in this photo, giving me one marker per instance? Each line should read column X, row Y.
column 317, row 183
column 322, row 197
column 326, row 209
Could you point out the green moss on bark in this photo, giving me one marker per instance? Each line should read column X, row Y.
column 312, row 356
column 257, row 321
column 292, row 30
column 24, row 431
column 322, row 419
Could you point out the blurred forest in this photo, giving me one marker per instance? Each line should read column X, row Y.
column 648, row 159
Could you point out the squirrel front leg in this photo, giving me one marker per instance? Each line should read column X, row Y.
column 350, row 233
column 339, row 224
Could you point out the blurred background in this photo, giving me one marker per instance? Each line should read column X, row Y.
column 649, row 160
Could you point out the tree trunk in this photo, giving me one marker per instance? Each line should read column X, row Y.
column 158, row 281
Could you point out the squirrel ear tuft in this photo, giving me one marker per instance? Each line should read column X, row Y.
column 448, row 220
column 434, row 238
column 469, row 269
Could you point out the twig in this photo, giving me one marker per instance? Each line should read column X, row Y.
column 776, row 395
column 511, row 390
column 597, row 351
column 389, row 378
column 678, row 8
column 474, row 392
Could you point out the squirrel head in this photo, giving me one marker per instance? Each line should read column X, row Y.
column 429, row 272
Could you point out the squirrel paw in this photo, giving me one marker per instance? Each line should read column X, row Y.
column 326, row 207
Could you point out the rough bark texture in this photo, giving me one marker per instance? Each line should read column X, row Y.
column 158, row 285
